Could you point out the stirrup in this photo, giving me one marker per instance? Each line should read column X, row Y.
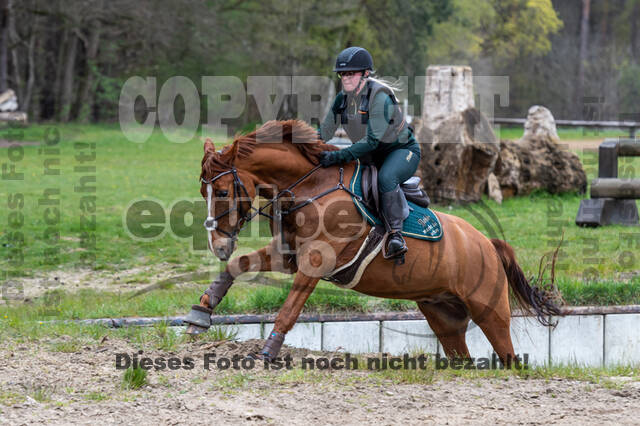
column 399, row 256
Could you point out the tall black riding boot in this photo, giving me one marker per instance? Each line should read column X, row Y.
column 394, row 211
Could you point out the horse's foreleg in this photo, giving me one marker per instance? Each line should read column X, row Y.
column 264, row 259
column 303, row 286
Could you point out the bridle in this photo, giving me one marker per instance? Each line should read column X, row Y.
column 211, row 223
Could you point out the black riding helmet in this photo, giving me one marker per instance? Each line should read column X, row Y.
column 354, row 59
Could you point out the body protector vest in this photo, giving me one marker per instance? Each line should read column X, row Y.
column 354, row 116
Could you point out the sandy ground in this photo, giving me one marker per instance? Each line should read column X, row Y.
column 39, row 385
column 587, row 144
column 73, row 280
column 85, row 388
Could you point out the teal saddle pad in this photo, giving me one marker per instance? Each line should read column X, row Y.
column 422, row 223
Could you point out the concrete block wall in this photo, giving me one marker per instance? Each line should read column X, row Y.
column 621, row 339
column 353, row 337
column 578, row 340
column 306, row 335
column 401, row 337
column 583, row 340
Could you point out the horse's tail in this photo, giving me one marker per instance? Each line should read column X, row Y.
column 533, row 299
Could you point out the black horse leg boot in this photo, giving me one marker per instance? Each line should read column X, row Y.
column 394, row 211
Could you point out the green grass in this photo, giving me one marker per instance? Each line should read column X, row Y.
column 534, row 224
column 601, row 292
column 167, row 338
column 241, row 298
column 595, row 266
column 9, row 398
column 234, row 381
column 16, row 320
column 125, row 172
column 41, row 393
column 165, row 171
column 95, row 396
column 217, row 333
column 429, row 375
column 67, row 346
column 565, row 133
column 134, row 378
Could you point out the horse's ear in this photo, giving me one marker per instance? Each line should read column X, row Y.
column 208, row 146
column 230, row 152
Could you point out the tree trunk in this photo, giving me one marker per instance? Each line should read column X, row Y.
column 633, row 36
column 85, row 100
column 4, row 35
column 40, row 70
column 66, row 95
column 604, row 22
column 59, row 64
column 584, row 45
column 31, row 64
column 16, row 43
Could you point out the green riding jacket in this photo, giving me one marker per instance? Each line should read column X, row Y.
column 371, row 141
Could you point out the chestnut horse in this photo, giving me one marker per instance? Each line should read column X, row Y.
column 463, row 276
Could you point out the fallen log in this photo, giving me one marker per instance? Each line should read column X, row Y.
column 615, row 188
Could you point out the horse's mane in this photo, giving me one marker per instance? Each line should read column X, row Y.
column 295, row 132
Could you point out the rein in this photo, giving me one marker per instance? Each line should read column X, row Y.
column 211, row 223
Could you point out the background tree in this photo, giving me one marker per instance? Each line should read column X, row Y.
column 67, row 59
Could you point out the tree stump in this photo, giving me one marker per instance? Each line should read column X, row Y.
column 537, row 161
column 459, row 149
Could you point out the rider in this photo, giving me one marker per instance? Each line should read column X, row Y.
column 376, row 124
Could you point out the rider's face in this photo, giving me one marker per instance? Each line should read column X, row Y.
column 351, row 81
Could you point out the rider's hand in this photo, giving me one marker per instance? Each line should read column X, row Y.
column 328, row 158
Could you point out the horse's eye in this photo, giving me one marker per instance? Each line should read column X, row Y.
column 222, row 194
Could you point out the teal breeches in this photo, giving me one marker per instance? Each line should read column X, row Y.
column 398, row 166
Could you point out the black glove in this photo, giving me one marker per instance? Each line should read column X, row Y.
column 328, row 158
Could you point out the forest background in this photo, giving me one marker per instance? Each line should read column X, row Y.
column 68, row 59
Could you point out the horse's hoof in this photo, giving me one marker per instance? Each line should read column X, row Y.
column 198, row 320
column 260, row 356
column 194, row 330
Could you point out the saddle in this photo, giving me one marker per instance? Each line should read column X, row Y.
column 371, row 196
column 422, row 223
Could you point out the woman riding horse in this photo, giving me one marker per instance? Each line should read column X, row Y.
column 462, row 276
column 369, row 112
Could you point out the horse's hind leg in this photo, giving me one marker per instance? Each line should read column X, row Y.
column 449, row 320
column 493, row 316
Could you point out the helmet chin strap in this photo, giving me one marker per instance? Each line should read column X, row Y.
column 355, row 91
